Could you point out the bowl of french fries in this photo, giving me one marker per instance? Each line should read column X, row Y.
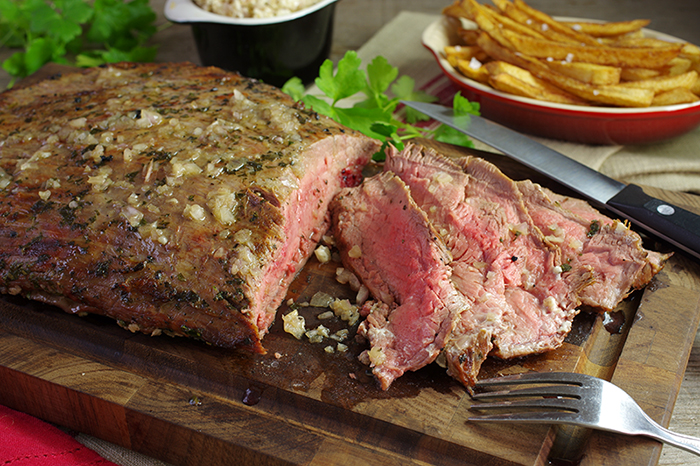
column 571, row 79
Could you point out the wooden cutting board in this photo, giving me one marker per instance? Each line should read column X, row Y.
column 188, row 403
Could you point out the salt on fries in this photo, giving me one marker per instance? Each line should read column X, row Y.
column 522, row 51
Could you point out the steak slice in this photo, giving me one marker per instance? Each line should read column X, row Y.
column 170, row 197
column 594, row 244
column 501, row 260
column 513, row 264
column 387, row 241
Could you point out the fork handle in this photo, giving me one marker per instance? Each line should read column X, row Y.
column 686, row 442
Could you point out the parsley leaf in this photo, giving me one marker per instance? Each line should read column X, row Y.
column 380, row 75
column 80, row 32
column 377, row 114
column 461, row 107
column 404, row 89
column 348, row 80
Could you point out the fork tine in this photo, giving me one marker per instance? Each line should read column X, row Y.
column 558, row 417
column 549, row 390
column 571, row 378
column 550, row 403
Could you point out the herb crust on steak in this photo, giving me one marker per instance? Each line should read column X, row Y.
column 171, row 197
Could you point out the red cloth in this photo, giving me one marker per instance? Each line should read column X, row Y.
column 28, row 441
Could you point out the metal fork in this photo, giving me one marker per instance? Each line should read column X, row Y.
column 574, row 399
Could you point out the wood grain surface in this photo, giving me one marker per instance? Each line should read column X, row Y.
column 188, row 403
column 60, row 385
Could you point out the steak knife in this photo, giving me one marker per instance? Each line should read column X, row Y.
column 679, row 227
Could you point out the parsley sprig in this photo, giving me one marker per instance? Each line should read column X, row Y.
column 376, row 113
column 89, row 33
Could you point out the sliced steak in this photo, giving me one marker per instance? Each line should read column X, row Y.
column 170, row 197
column 593, row 244
column 522, row 259
column 387, row 241
column 501, row 260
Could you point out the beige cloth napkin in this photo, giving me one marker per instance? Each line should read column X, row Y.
column 673, row 165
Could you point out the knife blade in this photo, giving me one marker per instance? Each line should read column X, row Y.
column 671, row 223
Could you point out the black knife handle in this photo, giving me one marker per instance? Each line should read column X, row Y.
column 669, row 222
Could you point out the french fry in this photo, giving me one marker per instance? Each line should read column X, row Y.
column 687, row 59
column 491, row 28
column 498, row 52
column 623, row 57
column 695, row 89
column 679, row 95
column 462, row 52
column 674, row 67
column 457, row 10
column 512, row 85
column 616, row 95
column 615, row 40
column 553, row 24
column 473, row 70
column 468, row 36
column 541, row 30
column 502, row 5
column 691, row 52
column 665, row 83
column 508, row 23
column 637, row 74
column 599, row 75
column 610, row 95
column 502, row 67
column 510, row 10
column 610, row 29
column 630, row 41
column 515, row 80
column 678, row 65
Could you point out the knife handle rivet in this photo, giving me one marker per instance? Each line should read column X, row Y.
column 665, row 209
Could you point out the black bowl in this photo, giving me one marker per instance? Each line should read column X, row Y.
column 271, row 49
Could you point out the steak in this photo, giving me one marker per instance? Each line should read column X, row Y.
column 502, row 262
column 170, row 197
column 387, row 241
column 593, row 243
column 523, row 259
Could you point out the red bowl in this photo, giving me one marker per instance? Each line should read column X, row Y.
column 573, row 123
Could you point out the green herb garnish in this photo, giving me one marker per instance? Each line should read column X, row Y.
column 91, row 33
column 593, row 229
column 375, row 113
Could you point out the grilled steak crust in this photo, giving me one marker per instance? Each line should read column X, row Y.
column 170, row 197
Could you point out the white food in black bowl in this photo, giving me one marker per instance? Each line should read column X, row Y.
column 270, row 48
